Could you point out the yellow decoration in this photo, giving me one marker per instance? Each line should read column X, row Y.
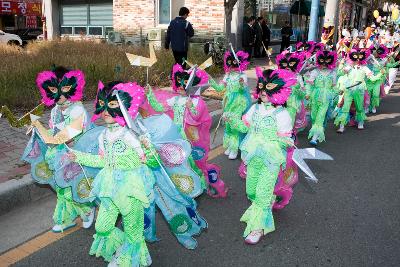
column 24, row 120
column 395, row 13
column 376, row 14
column 184, row 183
column 84, row 187
column 137, row 60
column 192, row 133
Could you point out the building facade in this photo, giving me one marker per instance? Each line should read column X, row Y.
column 132, row 18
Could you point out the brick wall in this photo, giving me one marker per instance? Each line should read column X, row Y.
column 207, row 16
column 131, row 15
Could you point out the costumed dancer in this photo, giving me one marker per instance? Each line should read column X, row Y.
column 191, row 116
column 353, row 86
column 124, row 184
column 269, row 130
column 237, row 99
column 378, row 67
column 321, row 93
column 68, row 120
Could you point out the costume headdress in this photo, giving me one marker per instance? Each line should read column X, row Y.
column 306, row 46
column 60, row 82
column 230, row 61
column 290, row 61
column 358, row 55
column 180, row 77
column 132, row 96
column 276, row 83
column 326, row 59
column 382, row 51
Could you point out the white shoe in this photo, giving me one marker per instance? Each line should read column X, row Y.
column 58, row 228
column 366, row 110
column 227, row 152
column 233, row 154
column 373, row 110
column 361, row 125
column 341, row 129
column 254, row 237
column 89, row 222
column 113, row 262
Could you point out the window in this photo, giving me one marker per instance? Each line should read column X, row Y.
column 164, row 11
column 96, row 31
column 66, row 30
column 86, row 19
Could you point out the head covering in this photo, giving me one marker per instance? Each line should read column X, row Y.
column 290, row 61
column 318, row 47
column 60, row 82
column 230, row 62
column 180, row 77
column 276, row 83
column 132, row 96
column 358, row 55
column 382, row 51
column 306, row 46
column 326, row 59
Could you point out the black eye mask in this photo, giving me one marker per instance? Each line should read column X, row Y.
column 104, row 99
column 232, row 62
column 269, row 84
column 55, row 89
column 358, row 56
column 181, row 79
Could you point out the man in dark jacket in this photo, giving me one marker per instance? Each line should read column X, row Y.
column 286, row 32
column 258, row 47
column 248, row 37
column 266, row 36
column 178, row 34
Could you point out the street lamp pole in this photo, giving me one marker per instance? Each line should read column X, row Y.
column 313, row 20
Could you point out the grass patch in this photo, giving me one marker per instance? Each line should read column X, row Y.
column 99, row 61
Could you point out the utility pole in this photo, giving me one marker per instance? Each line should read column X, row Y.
column 313, row 20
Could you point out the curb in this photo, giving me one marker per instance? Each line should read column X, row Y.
column 17, row 192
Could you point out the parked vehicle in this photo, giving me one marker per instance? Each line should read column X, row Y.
column 28, row 34
column 11, row 39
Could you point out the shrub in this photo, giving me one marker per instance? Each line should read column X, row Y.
column 99, row 61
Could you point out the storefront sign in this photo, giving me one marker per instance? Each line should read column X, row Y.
column 31, row 21
column 21, row 8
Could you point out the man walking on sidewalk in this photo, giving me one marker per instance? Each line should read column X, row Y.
column 178, row 34
column 248, row 36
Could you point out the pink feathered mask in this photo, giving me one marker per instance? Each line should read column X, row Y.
column 60, row 82
column 180, row 77
column 132, row 96
column 230, row 62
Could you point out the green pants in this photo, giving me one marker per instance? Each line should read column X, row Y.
column 231, row 137
column 260, row 184
column 109, row 238
column 318, row 114
column 374, row 91
column 67, row 209
column 357, row 96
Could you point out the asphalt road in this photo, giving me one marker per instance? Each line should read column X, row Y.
column 350, row 218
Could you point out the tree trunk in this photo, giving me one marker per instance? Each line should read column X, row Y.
column 229, row 5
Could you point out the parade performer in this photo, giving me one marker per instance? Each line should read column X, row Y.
column 124, row 183
column 321, row 93
column 191, row 116
column 378, row 67
column 237, row 99
column 68, row 121
column 295, row 105
column 353, row 86
column 269, row 130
